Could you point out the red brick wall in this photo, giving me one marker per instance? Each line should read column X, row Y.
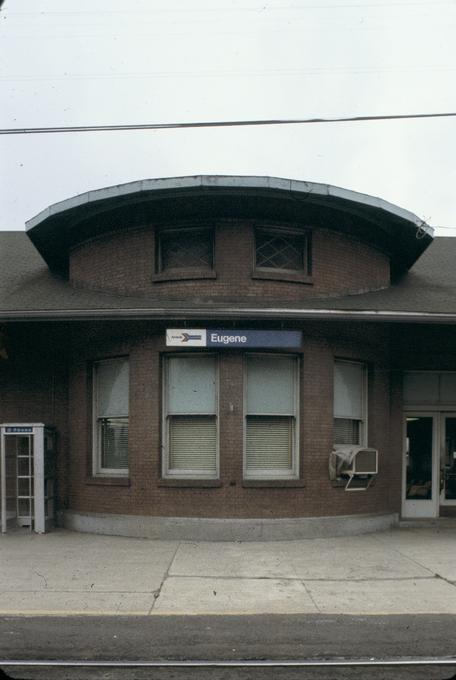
column 124, row 262
column 147, row 495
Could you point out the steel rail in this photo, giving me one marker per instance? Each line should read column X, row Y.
column 236, row 663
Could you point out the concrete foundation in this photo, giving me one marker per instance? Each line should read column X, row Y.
column 202, row 529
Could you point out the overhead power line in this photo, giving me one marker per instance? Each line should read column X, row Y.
column 216, row 124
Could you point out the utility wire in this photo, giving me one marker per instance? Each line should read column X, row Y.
column 215, row 124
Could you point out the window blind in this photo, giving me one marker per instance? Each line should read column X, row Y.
column 111, row 380
column 347, row 431
column 271, row 385
column 270, row 439
column 348, row 390
column 192, row 444
column 191, row 385
column 191, row 416
column 114, row 443
column 269, row 443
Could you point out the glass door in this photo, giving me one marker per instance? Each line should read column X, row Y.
column 420, row 477
column 448, row 460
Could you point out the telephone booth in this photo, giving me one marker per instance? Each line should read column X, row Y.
column 27, row 476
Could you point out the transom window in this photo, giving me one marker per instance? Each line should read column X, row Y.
column 111, row 393
column 271, row 449
column 275, row 250
column 350, row 403
column 181, row 249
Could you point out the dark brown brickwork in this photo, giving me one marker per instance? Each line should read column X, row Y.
column 147, row 495
column 33, row 384
column 46, row 378
column 124, row 262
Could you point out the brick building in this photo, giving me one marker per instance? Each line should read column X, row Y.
column 201, row 345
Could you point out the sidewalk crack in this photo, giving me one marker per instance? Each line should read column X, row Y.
column 41, row 576
column 311, row 597
column 447, row 580
column 157, row 593
column 404, row 556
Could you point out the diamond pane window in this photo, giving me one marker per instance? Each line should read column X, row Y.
column 187, row 248
column 280, row 251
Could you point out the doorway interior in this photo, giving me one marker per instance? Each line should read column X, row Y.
column 429, row 475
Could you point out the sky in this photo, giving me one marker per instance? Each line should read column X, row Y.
column 97, row 62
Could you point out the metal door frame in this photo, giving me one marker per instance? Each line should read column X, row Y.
column 443, row 416
column 408, row 506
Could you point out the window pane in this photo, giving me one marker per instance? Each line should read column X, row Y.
column 114, row 443
column 348, row 390
column 111, row 379
column 186, row 249
column 421, row 387
column 448, row 387
column 191, row 385
column 269, row 443
column 192, row 444
column 347, row 431
column 276, row 251
column 271, row 385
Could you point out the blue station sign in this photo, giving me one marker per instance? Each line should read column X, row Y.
column 18, row 430
column 222, row 337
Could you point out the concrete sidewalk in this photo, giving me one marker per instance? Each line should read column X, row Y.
column 404, row 571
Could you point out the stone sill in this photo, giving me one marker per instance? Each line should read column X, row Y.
column 184, row 274
column 108, row 481
column 191, row 483
column 282, row 275
column 273, row 483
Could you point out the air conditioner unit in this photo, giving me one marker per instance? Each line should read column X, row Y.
column 364, row 462
column 358, row 463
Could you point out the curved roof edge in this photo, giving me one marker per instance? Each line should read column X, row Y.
column 50, row 223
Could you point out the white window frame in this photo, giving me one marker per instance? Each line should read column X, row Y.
column 188, row 474
column 97, row 469
column 364, row 426
column 293, row 473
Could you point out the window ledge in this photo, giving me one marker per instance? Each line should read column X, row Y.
column 283, row 275
column 183, row 274
column 191, row 483
column 338, row 483
column 108, row 481
column 273, row 483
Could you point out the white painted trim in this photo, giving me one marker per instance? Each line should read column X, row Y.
column 3, row 481
column 443, row 415
column 39, row 519
column 424, row 508
column 271, row 475
column 164, row 443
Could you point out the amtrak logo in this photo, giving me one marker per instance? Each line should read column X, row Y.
column 189, row 337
